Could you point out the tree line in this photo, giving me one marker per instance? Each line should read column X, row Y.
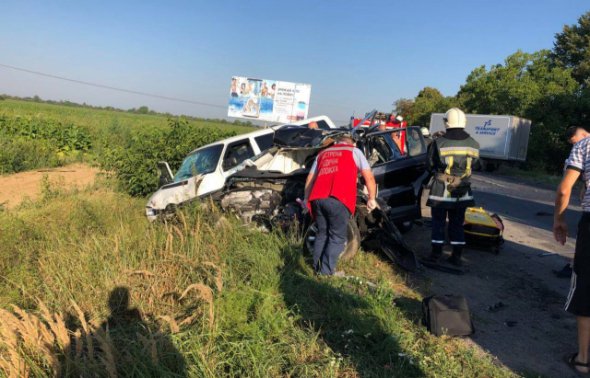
column 551, row 87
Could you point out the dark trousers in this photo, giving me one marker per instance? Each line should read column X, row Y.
column 331, row 218
column 456, row 220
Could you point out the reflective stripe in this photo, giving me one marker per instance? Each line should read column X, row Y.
column 438, row 242
column 451, row 199
column 572, row 290
column 468, row 151
column 468, row 168
column 449, row 160
column 457, row 243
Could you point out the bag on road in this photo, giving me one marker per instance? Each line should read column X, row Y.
column 447, row 315
column 483, row 229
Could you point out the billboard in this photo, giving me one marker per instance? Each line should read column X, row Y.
column 268, row 100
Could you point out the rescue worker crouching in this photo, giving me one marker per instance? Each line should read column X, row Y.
column 451, row 157
column 330, row 194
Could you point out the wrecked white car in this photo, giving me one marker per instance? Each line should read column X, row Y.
column 205, row 170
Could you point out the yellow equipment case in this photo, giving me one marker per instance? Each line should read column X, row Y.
column 483, row 229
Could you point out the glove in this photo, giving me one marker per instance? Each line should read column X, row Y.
column 372, row 205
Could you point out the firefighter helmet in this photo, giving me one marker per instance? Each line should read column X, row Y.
column 455, row 118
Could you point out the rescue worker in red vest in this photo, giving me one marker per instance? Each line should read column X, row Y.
column 452, row 157
column 330, row 193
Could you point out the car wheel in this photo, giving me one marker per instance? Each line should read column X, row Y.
column 404, row 227
column 353, row 240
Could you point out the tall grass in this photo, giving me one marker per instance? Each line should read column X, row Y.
column 89, row 287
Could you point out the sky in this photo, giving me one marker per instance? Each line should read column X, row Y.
column 357, row 55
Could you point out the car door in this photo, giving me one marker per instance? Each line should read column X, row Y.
column 235, row 154
column 399, row 176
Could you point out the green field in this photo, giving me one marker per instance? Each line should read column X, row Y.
column 97, row 120
column 39, row 135
column 89, row 288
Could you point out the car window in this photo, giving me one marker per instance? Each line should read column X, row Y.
column 236, row 153
column 264, row 142
column 414, row 143
column 381, row 149
column 323, row 125
column 200, row 162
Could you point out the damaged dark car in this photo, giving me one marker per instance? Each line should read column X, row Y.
column 270, row 190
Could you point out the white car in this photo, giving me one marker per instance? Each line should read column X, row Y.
column 205, row 169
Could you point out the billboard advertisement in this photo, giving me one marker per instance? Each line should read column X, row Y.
column 268, row 100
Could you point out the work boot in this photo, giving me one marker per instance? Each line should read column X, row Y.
column 436, row 253
column 455, row 258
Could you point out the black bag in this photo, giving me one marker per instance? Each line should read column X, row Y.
column 447, row 315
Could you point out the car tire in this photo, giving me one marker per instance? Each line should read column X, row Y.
column 353, row 240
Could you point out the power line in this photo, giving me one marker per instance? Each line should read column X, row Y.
column 103, row 86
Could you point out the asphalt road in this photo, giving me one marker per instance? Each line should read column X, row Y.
column 531, row 332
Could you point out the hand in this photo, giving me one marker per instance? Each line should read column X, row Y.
column 372, row 205
column 560, row 231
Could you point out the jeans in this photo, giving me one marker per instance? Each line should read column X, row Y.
column 331, row 218
column 456, row 220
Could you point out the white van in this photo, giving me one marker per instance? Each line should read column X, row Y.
column 205, row 169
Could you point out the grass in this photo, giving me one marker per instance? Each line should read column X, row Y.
column 88, row 286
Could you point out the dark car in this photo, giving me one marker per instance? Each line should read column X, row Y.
column 269, row 191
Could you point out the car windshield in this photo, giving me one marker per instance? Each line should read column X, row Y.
column 199, row 163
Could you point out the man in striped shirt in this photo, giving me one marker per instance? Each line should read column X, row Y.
column 578, row 301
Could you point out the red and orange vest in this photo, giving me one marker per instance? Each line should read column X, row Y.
column 336, row 175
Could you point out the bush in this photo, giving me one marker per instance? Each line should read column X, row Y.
column 29, row 143
column 20, row 154
column 135, row 161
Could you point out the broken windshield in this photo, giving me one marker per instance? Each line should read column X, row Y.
column 199, row 163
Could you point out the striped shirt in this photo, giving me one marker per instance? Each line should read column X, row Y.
column 579, row 160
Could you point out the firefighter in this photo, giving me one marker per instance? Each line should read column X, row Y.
column 451, row 157
column 330, row 194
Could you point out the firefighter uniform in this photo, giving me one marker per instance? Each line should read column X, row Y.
column 452, row 158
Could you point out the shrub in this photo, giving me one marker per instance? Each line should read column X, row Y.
column 135, row 161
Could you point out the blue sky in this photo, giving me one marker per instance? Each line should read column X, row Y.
column 356, row 55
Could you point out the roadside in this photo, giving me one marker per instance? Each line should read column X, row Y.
column 529, row 332
column 17, row 187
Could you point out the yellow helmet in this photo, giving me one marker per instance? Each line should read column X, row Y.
column 455, row 118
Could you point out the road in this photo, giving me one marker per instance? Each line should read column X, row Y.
column 531, row 333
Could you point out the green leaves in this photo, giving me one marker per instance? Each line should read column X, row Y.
column 572, row 49
column 135, row 160
column 33, row 142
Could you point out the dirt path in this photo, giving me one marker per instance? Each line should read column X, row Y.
column 532, row 332
column 17, row 187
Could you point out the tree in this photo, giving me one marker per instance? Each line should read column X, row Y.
column 404, row 106
column 530, row 86
column 515, row 87
column 572, row 49
column 429, row 100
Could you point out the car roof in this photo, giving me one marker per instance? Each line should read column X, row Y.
column 236, row 138
column 265, row 131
